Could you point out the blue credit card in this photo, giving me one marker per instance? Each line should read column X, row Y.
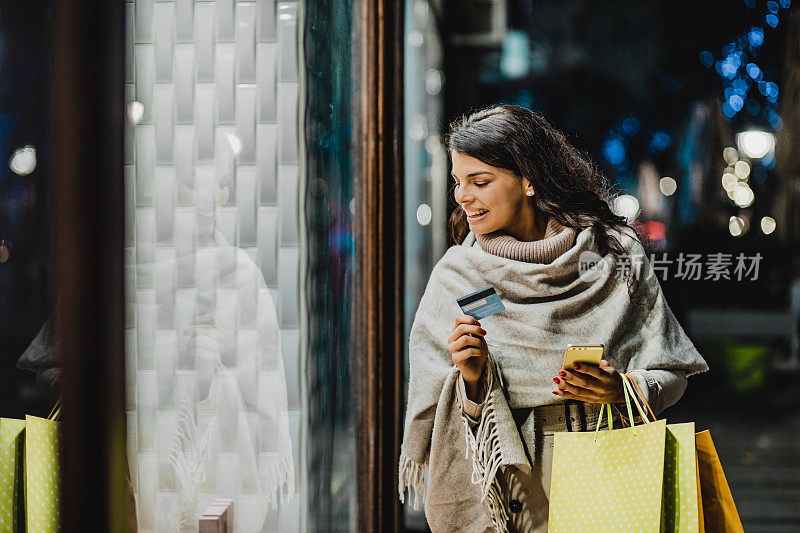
column 481, row 304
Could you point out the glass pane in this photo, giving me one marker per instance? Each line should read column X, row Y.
column 328, row 215
column 212, row 259
column 426, row 168
column 25, row 70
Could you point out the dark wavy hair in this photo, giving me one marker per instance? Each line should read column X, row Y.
column 567, row 185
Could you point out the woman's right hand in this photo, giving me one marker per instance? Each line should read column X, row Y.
column 468, row 350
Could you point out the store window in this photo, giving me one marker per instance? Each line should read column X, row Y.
column 25, row 303
column 212, row 330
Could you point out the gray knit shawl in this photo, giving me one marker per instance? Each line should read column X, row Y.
column 547, row 307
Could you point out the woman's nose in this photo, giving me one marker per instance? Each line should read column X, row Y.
column 460, row 196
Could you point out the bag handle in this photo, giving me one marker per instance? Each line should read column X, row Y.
column 641, row 395
column 56, row 411
column 626, row 379
column 622, row 418
column 611, row 417
column 627, row 390
column 603, row 408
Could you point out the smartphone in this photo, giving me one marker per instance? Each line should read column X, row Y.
column 589, row 354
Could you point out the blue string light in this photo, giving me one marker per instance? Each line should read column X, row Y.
column 739, row 55
column 772, row 20
column 614, row 151
column 756, row 36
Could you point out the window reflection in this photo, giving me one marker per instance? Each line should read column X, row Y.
column 212, row 257
column 25, row 69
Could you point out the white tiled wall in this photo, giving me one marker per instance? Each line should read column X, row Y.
column 212, row 141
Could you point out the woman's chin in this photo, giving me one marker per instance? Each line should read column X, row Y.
column 481, row 229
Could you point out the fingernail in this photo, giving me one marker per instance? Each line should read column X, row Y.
column 556, row 393
column 477, row 323
column 556, row 380
column 577, row 366
column 562, row 373
column 483, row 331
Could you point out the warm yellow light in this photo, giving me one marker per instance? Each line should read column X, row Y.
column 730, row 155
column 743, row 195
column 729, row 181
column 736, row 226
column 741, row 169
column 768, row 225
column 667, row 185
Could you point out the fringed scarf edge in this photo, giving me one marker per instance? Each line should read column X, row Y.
column 487, row 454
column 411, row 475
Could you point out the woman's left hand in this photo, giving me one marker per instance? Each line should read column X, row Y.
column 590, row 383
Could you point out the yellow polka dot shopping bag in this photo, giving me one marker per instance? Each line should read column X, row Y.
column 12, row 445
column 638, row 478
column 29, row 474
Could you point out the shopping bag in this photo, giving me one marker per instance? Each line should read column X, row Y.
column 29, row 474
column 680, row 504
column 41, row 474
column 608, row 480
column 700, row 518
column 719, row 510
column 12, row 435
column 681, row 507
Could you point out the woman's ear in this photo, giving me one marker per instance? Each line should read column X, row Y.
column 527, row 187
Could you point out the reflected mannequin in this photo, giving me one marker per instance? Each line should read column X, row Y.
column 211, row 400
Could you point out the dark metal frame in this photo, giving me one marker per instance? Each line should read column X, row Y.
column 87, row 262
column 378, row 337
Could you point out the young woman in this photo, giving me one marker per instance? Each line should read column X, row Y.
column 533, row 221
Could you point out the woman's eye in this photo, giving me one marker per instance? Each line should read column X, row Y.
column 481, row 184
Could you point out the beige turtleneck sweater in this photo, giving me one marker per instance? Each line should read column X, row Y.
column 557, row 240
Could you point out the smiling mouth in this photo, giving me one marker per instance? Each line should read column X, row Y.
column 479, row 214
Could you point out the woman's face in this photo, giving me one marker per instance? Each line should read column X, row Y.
column 497, row 193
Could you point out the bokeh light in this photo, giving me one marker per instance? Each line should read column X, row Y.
column 433, row 81
column 743, row 195
column 23, row 162
column 755, row 144
column 667, row 185
column 235, row 143
column 756, row 36
column 768, row 225
column 626, row 205
column 736, row 226
column 730, row 154
column 416, row 39
column 729, row 181
column 741, row 169
column 424, row 214
column 135, row 112
column 614, row 151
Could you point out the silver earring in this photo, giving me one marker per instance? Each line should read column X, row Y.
column 529, row 193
